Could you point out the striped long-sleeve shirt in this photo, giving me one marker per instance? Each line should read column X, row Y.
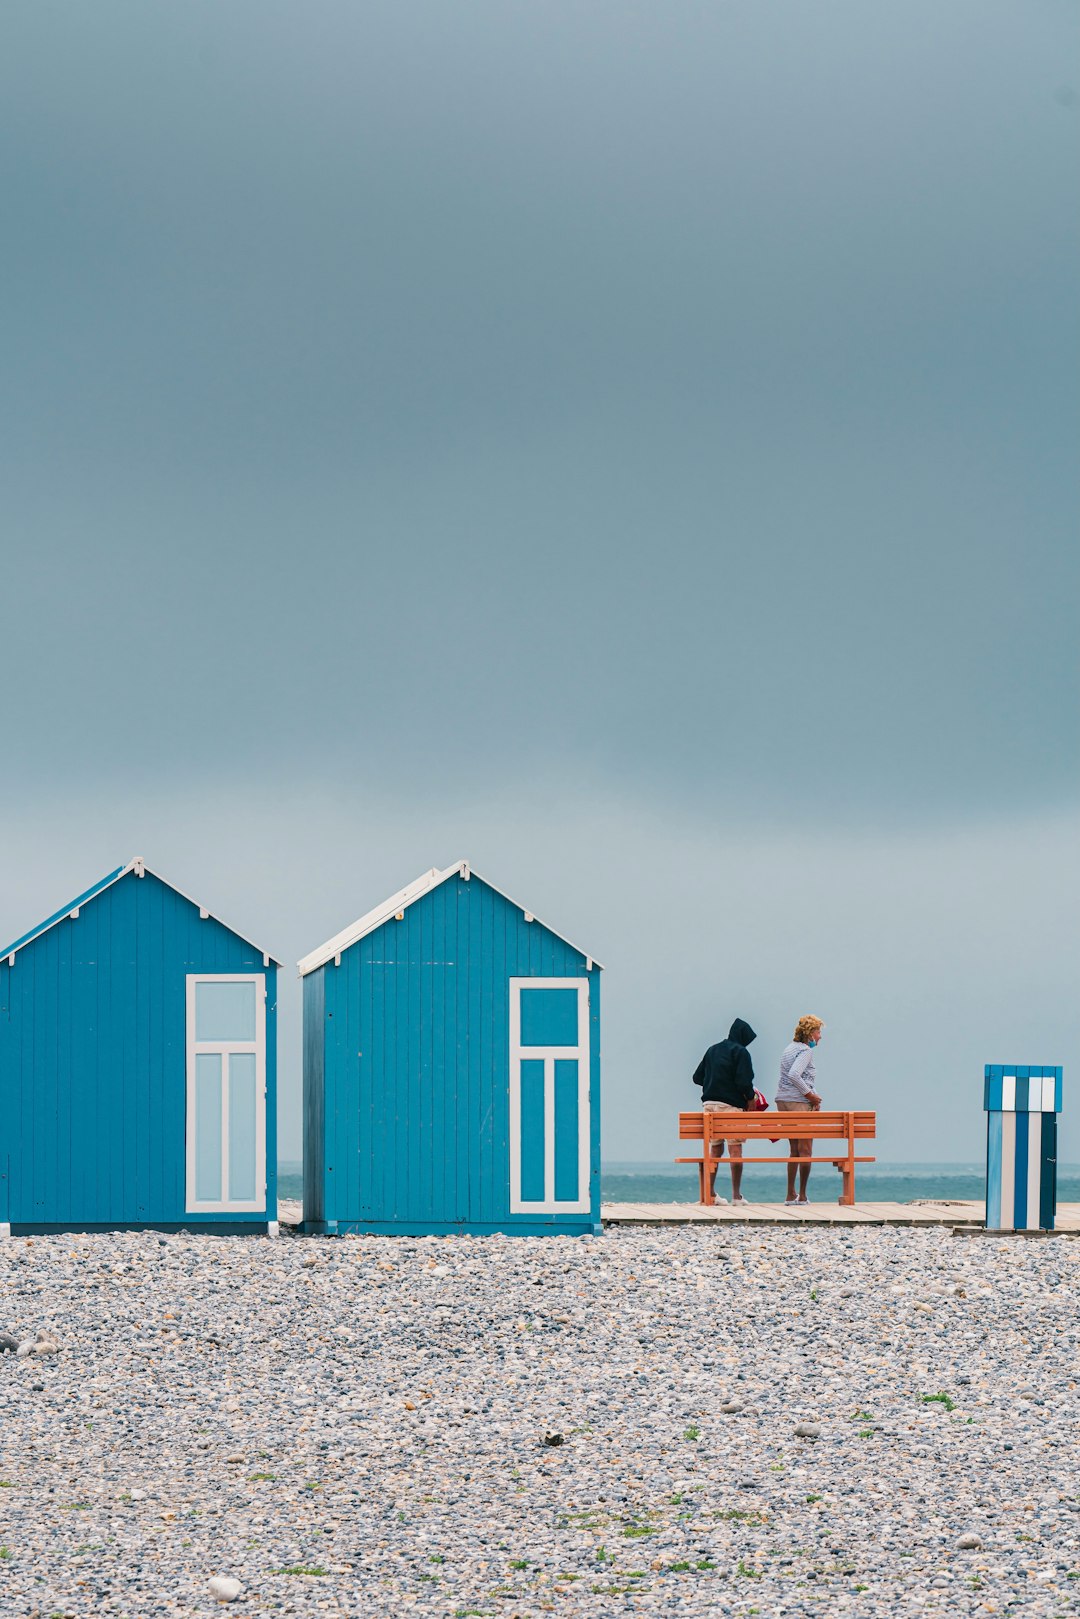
column 796, row 1072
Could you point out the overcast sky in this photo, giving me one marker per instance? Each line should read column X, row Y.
column 632, row 447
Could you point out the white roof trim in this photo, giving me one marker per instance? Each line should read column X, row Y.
column 398, row 903
column 141, row 869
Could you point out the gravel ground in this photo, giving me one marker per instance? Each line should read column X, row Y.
column 497, row 1426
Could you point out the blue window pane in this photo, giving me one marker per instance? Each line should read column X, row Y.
column 549, row 1017
column 225, row 1011
column 208, row 1128
column 242, row 1114
column 566, row 1130
column 532, row 1131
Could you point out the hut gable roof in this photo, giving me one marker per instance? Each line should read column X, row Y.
column 137, row 866
column 399, row 903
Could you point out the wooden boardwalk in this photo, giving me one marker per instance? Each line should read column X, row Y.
column 656, row 1214
column 911, row 1214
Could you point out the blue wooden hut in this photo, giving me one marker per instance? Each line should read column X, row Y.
column 138, row 1067
column 451, row 1069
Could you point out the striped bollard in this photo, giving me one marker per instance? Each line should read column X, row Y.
column 1022, row 1105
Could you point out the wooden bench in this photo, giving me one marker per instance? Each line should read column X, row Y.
column 768, row 1127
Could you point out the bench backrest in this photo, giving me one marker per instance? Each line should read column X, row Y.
column 820, row 1126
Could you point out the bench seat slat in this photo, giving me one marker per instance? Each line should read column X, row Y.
column 775, row 1129
column 832, row 1159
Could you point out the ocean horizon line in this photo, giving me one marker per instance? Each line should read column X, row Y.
column 897, row 1181
column 630, row 1166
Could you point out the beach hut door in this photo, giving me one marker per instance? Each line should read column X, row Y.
column 226, row 1092
column 549, row 1095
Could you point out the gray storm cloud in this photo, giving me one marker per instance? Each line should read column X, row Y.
column 664, row 408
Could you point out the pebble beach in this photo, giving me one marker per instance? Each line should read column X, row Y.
column 682, row 1421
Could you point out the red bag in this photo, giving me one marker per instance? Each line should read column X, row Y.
column 762, row 1106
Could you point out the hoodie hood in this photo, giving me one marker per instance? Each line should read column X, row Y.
column 742, row 1032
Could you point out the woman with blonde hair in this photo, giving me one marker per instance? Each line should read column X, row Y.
column 797, row 1093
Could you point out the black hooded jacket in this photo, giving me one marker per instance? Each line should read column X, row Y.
column 725, row 1073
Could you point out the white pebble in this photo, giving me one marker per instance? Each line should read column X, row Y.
column 225, row 1588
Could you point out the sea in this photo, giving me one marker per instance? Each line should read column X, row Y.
column 874, row 1183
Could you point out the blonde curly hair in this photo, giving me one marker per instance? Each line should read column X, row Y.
column 807, row 1028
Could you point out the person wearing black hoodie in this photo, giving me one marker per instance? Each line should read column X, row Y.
column 726, row 1077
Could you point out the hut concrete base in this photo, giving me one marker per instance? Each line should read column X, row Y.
column 436, row 1228
column 190, row 1228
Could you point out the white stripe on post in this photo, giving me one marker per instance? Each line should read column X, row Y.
column 1008, row 1169
column 1034, row 1170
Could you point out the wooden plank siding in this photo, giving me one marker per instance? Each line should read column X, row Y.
column 93, row 1079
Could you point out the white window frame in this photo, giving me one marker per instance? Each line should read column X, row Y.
column 549, row 1054
column 224, row 1049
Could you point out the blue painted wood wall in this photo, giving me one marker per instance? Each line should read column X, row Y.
column 93, row 1083
column 406, row 1076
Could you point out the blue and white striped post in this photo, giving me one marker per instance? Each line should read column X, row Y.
column 1022, row 1105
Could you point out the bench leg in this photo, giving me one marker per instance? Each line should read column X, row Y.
column 847, row 1169
column 709, row 1165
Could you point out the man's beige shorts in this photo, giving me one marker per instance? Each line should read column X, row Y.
column 718, row 1146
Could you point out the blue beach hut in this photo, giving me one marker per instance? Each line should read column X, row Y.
column 451, row 1069
column 138, row 1067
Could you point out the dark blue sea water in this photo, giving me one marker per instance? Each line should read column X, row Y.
column 876, row 1183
